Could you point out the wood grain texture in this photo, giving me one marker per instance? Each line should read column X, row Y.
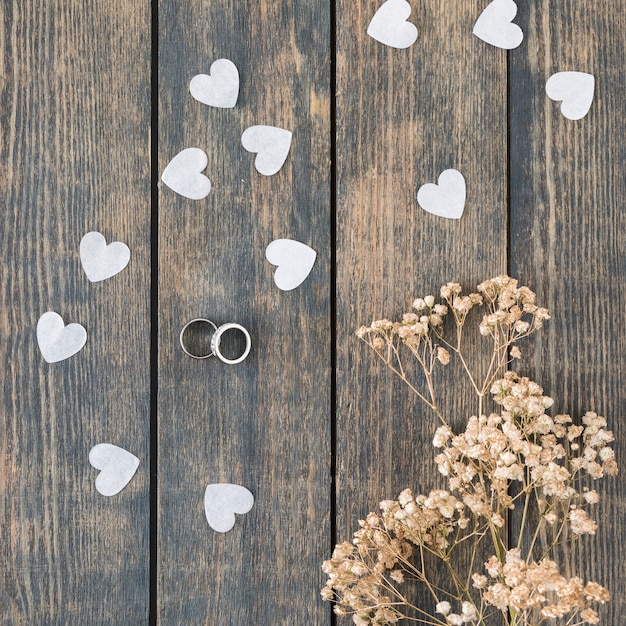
column 74, row 157
column 404, row 116
column 568, row 185
column 265, row 423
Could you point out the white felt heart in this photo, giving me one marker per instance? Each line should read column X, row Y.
column 116, row 465
column 183, row 174
column 575, row 89
column 390, row 27
column 495, row 27
column 101, row 261
column 222, row 501
column 220, row 88
column 271, row 145
column 447, row 198
column 57, row 341
column 295, row 261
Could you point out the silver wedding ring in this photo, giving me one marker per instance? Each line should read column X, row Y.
column 216, row 340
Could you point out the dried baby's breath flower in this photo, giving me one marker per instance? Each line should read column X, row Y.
column 419, row 304
column 581, row 523
column 589, row 616
column 443, row 607
column 509, row 453
column 443, row 356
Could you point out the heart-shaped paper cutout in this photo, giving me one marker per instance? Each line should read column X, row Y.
column 116, row 465
column 446, row 198
column 184, row 174
column 295, row 261
column 101, row 261
column 495, row 27
column 390, row 27
column 271, row 145
column 57, row 341
column 575, row 90
column 220, row 88
column 222, row 501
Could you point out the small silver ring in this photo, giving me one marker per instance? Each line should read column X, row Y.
column 182, row 338
column 217, row 338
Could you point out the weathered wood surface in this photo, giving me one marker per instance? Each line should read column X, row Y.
column 74, row 157
column 567, row 199
column 404, row 116
column 265, row 423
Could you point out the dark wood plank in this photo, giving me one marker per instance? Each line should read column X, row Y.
column 568, row 185
column 404, row 116
column 74, row 155
column 265, row 423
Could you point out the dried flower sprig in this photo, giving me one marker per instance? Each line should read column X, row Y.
column 550, row 461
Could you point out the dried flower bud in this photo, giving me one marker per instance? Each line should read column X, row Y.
column 443, row 608
column 435, row 320
column 469, row 611
column 430, row 301
column 378, row 343
column 497, row 520
column 443, row 356
column 589, row 616
column 581, row 523
column 397, row 575
column 419, row 304
column 521, row 327
column 442, row 434
column 606, row 454
column 596, row 592
column 516, row 353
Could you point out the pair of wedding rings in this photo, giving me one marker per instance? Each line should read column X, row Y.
column 216, row 340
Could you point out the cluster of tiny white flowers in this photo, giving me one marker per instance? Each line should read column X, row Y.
column 550, row 461
column 538, row 588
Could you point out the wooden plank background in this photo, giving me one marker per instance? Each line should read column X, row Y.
column 437, row 105
column 265, row 423
column 74, row 157
column 567, row 239
column 310, row 422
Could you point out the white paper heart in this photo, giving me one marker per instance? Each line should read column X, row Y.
column 222, row 501
column 220, row 88
column 183, row 174
column 295, row 261
column 495, row 27
column 446, row 198
column 116, row 465
column 101, row 261
column 390, row 27
column 57, row 341
column 271, row 145
column 575, row 90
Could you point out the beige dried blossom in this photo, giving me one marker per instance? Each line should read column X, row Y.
column 443, row 356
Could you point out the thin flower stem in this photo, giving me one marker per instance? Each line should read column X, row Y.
column 426, row 581
column 524, row 515
column 403, row 378
column 469, row 374
column 457, row 350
